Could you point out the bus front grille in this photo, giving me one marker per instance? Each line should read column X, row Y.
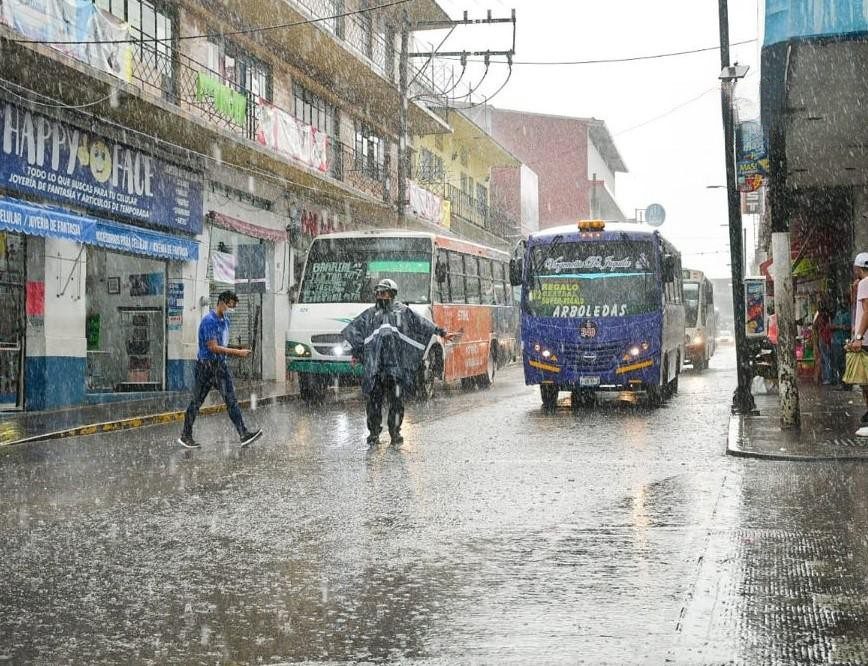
column 591, row 358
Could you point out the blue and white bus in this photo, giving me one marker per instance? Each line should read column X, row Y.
column 601, row 310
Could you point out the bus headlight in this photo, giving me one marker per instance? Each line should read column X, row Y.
column 698, row 340
column 635, row 351
column 297, row 349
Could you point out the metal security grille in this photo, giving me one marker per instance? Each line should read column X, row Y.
column 245, row 324
column 12, row 324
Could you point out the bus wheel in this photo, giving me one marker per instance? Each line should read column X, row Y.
column 311, row 388
column 486, row 380
column 549, row 395
column 425, row 380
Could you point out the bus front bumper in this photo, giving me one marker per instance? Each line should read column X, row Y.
column 314, row 367
column 632, row 375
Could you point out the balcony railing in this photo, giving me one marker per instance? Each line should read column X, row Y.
column 474, row 211
column 204, row 93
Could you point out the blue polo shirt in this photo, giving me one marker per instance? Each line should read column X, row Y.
column 216, row 328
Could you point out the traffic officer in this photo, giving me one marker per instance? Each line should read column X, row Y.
column 391, row 340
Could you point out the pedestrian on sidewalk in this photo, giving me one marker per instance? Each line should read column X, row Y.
column 857, row 356
column 842, row 324
column 822, row 335
column 213, row 372
column 391, row 340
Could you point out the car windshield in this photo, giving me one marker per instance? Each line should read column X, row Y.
column 691, row 303
column 592, row 279
column 346, row 270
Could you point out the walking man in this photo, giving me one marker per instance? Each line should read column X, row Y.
column 392, row 341
column 860, row 327
column 212, row 371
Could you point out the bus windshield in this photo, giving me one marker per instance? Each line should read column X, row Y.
column 592, row 279
column 346, row 270
column 691, row 304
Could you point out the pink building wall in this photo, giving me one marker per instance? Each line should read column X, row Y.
column 557, row 150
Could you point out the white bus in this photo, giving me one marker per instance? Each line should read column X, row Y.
column 700, row 337
column 461, row 286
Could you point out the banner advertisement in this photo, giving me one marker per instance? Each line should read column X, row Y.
column 752, row 162
column 424, row 204
column 175, row 306
column 99, row 34
column 755, row 307
column 50, row 222
column 56, row 161
column 289, row 136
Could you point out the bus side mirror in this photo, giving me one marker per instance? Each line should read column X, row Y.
column 668, row 268
column 440, row 272
column 516, row 268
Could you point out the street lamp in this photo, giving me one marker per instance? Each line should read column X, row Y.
column 742, row 400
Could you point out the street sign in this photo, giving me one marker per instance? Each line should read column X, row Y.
column 655, row 215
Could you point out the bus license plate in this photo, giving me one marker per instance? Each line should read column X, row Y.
column 589, row 381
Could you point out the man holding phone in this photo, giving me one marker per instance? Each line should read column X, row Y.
column 213, row 372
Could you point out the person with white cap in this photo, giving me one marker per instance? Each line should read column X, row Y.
column 860, row 327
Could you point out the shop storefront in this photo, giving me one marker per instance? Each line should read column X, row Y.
column 96, row 236
column 91, row 280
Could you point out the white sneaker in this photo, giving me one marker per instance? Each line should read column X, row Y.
column 862, row 432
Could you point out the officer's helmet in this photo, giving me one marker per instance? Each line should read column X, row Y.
column 387, row 285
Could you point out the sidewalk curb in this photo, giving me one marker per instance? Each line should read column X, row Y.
column 734, row 449
column 133, row 422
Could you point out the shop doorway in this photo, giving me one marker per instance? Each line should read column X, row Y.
column 126, row 322
column 237, row 263
column 13, row 320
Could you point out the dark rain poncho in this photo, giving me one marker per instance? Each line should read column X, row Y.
column 392, row 341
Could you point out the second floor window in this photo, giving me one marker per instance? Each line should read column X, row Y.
column 240, row 69
column 151, row 25
column 369, row 151
column 314, row 110
column 430, row 167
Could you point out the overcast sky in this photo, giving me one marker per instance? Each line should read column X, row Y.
column 671, row 159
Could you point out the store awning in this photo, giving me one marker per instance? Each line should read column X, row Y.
column 245, row 228
column 50, row 222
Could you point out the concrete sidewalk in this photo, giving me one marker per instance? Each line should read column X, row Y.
column 166, row 407
column 829, row 419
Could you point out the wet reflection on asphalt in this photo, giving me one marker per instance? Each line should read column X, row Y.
column 613, row 534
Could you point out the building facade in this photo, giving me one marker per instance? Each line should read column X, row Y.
column 813, row 92
column 155, row 153
column 575, row 159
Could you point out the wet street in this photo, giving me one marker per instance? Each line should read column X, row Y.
column 496, row 533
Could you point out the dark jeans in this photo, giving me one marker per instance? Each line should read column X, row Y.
column 213, row 374
column 385, row 387
column 839, row 361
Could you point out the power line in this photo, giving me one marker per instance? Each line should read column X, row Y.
column 602, row 61
column 667, row 113
column 229, row 33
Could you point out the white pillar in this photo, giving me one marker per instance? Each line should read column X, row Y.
column 785, row 310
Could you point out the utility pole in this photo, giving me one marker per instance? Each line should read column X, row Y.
column 742, row 399
column 788, row 387
column 404, row 83
column 404, row 134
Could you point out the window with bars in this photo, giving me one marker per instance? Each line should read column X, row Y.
column 238, row 67
column 151, row 25
column 430, row 167
column 314, row 110
column 369, row 151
